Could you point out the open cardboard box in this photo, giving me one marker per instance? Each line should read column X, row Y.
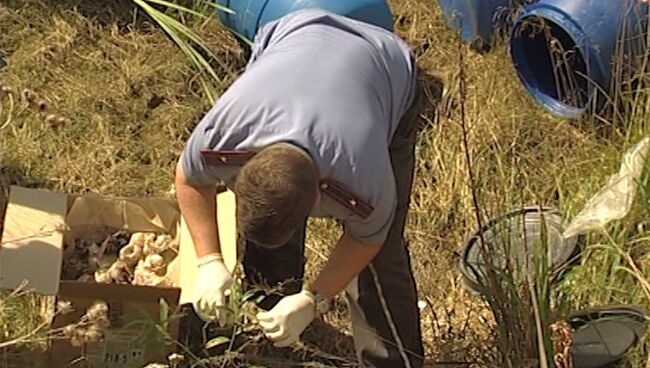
column 38, row 223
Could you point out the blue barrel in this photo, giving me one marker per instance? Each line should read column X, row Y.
column 477, row 21
column 564, row 50
column 250, row 15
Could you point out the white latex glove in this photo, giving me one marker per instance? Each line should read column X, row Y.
column 286, row 321
column 212, row 285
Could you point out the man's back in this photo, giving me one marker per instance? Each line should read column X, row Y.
column 315, row 71
column 334, row 63
column 331, row 85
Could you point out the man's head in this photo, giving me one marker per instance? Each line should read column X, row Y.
column 276, row 190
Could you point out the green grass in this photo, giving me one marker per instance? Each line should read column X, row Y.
column 132, row 98
column 24, row 307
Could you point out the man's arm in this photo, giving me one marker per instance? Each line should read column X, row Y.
column 348, row 259
column 197, row 204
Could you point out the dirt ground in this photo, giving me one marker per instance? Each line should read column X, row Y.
column 130, row 101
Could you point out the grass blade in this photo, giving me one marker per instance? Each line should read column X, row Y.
column 185, row 39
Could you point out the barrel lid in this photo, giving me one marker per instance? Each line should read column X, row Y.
column 518, row 235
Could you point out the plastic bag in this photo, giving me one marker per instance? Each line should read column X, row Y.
column 615, row 199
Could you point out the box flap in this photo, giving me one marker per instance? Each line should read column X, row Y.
column 227, row 228
column 32, row 240
column 227, row 238
column 119, row 292
column 136, row 214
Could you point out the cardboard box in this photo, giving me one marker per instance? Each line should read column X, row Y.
column 38, row 223
column 15, row 358
column 122, row 346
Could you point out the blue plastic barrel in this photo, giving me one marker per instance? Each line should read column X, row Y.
column 250, row 15
column 564, row 50
column 477, row 21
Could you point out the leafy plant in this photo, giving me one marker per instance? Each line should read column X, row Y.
column 240, row 316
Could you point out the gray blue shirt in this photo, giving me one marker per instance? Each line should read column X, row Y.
column 334, row 86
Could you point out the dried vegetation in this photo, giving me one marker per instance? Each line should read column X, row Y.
column 111, row 102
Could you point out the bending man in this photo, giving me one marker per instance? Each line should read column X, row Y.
column 321, row 123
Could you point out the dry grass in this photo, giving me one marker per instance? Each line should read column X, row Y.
column 131, row 101
column 130, row 98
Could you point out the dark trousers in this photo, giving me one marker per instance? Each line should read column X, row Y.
column 383, row 297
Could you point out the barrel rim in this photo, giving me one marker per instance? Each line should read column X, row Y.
column 559, row 19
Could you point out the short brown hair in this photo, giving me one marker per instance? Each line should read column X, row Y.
column 276, row 190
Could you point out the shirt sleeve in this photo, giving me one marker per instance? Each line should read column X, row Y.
column 194, row 168
column 374, row 229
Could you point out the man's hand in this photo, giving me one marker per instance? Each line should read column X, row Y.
column 213, row 282
column 287, row 320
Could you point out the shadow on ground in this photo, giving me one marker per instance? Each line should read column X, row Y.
column 322, row 344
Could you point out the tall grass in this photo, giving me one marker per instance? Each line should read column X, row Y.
column 529, row 310
column 519, row 303
column 195, row 49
